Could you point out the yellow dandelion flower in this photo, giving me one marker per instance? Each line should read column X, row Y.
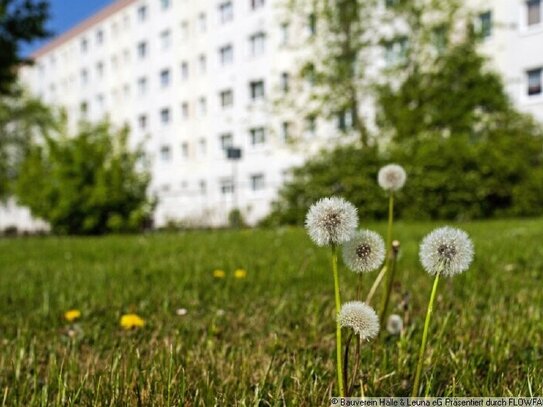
column 72, row 315
column 240, row 273
column 131, row 321
column 219, row 274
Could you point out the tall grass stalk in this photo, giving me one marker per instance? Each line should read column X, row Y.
column 338, row 326
column 415, row 391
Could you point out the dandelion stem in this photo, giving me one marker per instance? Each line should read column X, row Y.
column 415, row 391
column 389, row 275
column 376, row 284
column 338, row 326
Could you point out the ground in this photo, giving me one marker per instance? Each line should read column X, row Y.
column 266, row 339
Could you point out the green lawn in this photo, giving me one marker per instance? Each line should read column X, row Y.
column 267, row 339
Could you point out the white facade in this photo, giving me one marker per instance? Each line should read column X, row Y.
column 193, row 77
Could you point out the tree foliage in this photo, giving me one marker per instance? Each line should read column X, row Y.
column 88, row 184
column 21, row 21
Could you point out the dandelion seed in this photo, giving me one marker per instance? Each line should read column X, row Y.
column 181, row 311
column 219, row 273
column 240, row 273
column 131, row 321
column 391, row 177
column 447, row 251
column 72, row 315
column 331, row 221
column 361, row 318
column 365, row 252
column 394, row 324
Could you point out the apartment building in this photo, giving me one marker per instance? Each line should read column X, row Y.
column 196, row 79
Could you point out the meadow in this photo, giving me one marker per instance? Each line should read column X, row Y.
column 266, row 339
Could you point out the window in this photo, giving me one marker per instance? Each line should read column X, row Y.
column 202, row 22
column 312, row 24
column 142, row 121
column 202, row 63
column 165, row 4
column 202, row 147
column 84, row 45
column 165, row 153
column 84, row 77
column 203, row 187
column 226, row 12
column 226, row 140
column 534, row 12
column 396, row 52
column 257, row 90
column 100, row 37
column 285, row 131
column 202, row 106
column 142, row 13
column 258, row 136
column 184, row 71
column 535, row 79
column 165, row 39
column 311, row 125
column 184, row 30
column 185, row 150
column 165, row 116
column 227, row 186
column 226, row 54
column 485, row 24
column 165, row 78
column 256, row 4
column 142, row 49
column 284, row 34
column 227, row 98
column 100, row 69
column 142, row 86
column 258, row 43
column 344, row 121
column 185, row 113
column 285, row 82
column 258, row 182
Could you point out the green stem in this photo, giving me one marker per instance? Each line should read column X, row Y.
column 389, row 276
column 338, row 326
column 415, row 391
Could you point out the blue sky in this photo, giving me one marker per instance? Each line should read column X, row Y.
column 67, row 13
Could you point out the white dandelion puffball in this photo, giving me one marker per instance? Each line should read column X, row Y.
column 447, row 251
column 365, row 252
column 360, row 317
column 394, row 324
column 392, row 177
column 331, row 221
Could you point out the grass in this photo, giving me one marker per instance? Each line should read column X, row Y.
column 264, row 340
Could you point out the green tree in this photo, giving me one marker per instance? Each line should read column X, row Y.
column 333, row 81
column 88, row 184
column 21, row 21
column 23, row 121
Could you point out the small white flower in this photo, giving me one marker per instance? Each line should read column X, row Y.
column 392, row 177
column 331, row 221
column 365, row 252
column 360, row 317
column 394, row 324
column 447, row 251
column 181, row 311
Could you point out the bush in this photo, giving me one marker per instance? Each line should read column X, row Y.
column 87, row 184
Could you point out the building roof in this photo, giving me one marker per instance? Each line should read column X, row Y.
column 82, row 27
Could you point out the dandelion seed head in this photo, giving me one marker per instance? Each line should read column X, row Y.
column 361, row 318
column 392, row 177
column 365, row 252
column 394, row 324
column 447, row 251
column 331, row 221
